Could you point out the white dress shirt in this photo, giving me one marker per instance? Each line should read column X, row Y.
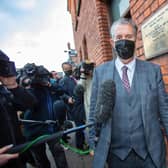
column 131, row 68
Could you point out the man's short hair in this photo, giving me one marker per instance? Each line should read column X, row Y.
column 122, row 21
column 66, row 63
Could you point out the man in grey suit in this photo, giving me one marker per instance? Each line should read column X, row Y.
column 132, row 136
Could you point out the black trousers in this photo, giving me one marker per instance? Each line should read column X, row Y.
column 57, row 152
column 80, row 136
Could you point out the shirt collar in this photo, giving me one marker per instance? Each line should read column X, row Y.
column 130, row 65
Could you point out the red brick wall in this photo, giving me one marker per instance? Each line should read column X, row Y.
column 140, row 11
column 93, row 25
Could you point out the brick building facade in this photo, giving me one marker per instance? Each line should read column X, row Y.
column 91, row 20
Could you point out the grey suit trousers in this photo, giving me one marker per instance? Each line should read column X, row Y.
column 132, row 161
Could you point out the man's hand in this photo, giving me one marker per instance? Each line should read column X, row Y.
column 4, row 158
column 9, row 82
column 91, row 153
column 70, row 100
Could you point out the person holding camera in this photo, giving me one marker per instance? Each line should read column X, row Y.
column 82, row 98
column 86, row 74
column 13, row 98
column 68, row 82
column 54, row 77
column 48, row 107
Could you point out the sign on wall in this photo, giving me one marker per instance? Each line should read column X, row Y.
column 155, row 33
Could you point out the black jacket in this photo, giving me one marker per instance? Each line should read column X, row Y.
column 12, row 101
column 42, row 111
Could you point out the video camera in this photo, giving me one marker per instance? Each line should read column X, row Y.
column 41, row 76
column 87, row 67
column 84, row 67
column 38, row 75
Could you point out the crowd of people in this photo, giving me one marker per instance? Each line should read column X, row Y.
column 42, row 101
column 129, row 136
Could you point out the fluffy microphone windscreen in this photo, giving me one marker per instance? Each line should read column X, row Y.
column 105, row 101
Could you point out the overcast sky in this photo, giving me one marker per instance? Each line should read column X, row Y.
column 35, row 31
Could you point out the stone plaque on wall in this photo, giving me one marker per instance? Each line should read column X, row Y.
column 155, row 33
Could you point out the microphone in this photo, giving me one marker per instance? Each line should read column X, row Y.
column 78, row 90
column 104, row 108
column 105, row 101
column 45, row 138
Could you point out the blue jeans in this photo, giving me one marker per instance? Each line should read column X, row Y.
column 132, row 161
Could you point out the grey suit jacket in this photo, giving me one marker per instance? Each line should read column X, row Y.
column 154, row 105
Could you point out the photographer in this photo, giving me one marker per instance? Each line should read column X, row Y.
column 86, row 73
column 68, row 82
column 54, row 77
column 13, row 98
column 82, row 97
column 48, row 107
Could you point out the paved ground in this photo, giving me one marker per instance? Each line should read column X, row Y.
column 74, row 160
column 77, row 161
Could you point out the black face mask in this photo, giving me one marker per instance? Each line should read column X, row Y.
column 68, row 73
column 125, row 48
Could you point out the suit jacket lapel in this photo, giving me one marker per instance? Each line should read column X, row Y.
column 142, row 86
column 109, row 74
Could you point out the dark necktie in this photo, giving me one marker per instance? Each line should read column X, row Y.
column 125, row 79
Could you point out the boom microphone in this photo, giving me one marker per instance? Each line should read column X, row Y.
column 105, row 101
column 104, row 108
column 45, row 138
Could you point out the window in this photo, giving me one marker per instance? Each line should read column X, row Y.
column 78, row 7
column 119, row 8
column 80, row 55
column 76, row 25
column 85, row 50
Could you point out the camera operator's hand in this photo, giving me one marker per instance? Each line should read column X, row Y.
column 47, row 84
column 82, row 70
column 4, row 158
column 70, row 100
column 9, row 82
column 91, row 153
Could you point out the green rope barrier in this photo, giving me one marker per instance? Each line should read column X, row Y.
column 33, row 142
column 73, row 149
